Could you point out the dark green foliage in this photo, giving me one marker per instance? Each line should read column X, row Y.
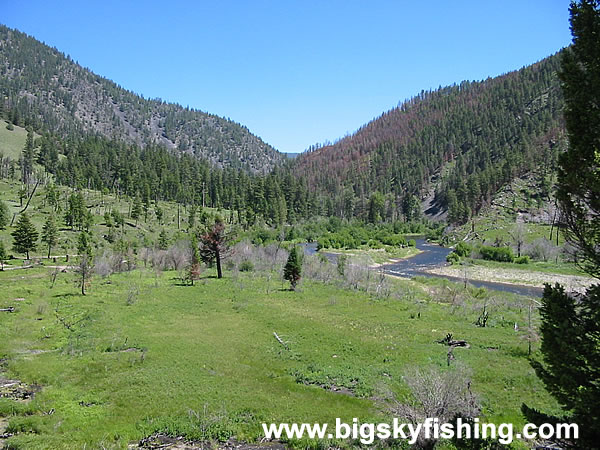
column 75, row 214
column 571, row 356
column 84, row 245
column 463, row 249
column 44, row 89
column 136, row 209
column 292, row 271
column 342, row 260
column 4, row 215
column 579, row 173
column 500, row 254
column 570, row 326
column 27, row 158
column 25, row 236
column 453, row 258
column 522, row 259
column 464, row 141
column 194, row 269
column 246, row 266
column 50, row 233
column 163, row 240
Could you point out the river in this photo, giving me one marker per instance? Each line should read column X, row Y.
column 431, row 256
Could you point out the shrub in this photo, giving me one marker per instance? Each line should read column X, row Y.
column 463, row 249
column 246, row 266
column 412, row 243
column 453, row 258
column 500, row 254
column 522, row 259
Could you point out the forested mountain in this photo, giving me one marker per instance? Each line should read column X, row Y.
column 446, row 151
column 43, row 89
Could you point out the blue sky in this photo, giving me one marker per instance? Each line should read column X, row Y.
column 295, row 72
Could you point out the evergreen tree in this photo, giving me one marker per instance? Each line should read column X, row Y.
column 136, row 210
column 293, row 268
column 84, row 244
column 4, row 215
column 52, row 196
column 75, row 213
column 376, row 207
column 570, row 327
column 50, row 233
column 194, row 269
column 25, row 236
column 27, row 159
column 163, row 240
column 158, row 212
column 579, row 172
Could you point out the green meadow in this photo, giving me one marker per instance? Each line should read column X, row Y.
column 143, row 353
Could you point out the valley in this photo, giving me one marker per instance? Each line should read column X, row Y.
column 168, row 279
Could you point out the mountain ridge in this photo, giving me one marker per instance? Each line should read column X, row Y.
column 46, row 89
column 459, row 143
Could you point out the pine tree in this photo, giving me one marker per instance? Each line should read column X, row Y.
column 579, row 172
column 25, row 236
column 136, row 210
column 163, row 240
column 158, row 212
column 50, row 234
column 84, row 244
column 194, row 269
column 570, row 327
column 4, row 215
column 27, row 159
column 293, row 268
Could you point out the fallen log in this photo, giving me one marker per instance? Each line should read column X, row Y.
column 280, row 341
column 453, row 342
column 9, row 309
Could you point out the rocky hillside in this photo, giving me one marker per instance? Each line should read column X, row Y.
column 47, row 90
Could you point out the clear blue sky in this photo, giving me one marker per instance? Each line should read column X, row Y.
column 295, row 72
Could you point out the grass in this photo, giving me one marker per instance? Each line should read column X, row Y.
column 144, row 233
column 560, row 267
column 11, row 142
column 202, row 361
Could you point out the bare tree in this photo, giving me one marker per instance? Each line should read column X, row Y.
column 435, row 394
column 518, row 234
column 85, row 269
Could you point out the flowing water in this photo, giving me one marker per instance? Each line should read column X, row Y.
column 431, row 256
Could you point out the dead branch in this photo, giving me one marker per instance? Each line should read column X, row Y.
column 281, row 341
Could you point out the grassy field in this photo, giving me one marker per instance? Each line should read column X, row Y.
column 142, row 354
column 136, row 235
column 12, row 142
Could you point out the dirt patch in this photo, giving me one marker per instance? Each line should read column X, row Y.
column 16, row 390
column 160, row 441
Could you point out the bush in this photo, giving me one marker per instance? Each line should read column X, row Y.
column 522, row 259
column 500, row 254
column 463, row 249
column 453, row 258
column 412, row 243
column 246, row 266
